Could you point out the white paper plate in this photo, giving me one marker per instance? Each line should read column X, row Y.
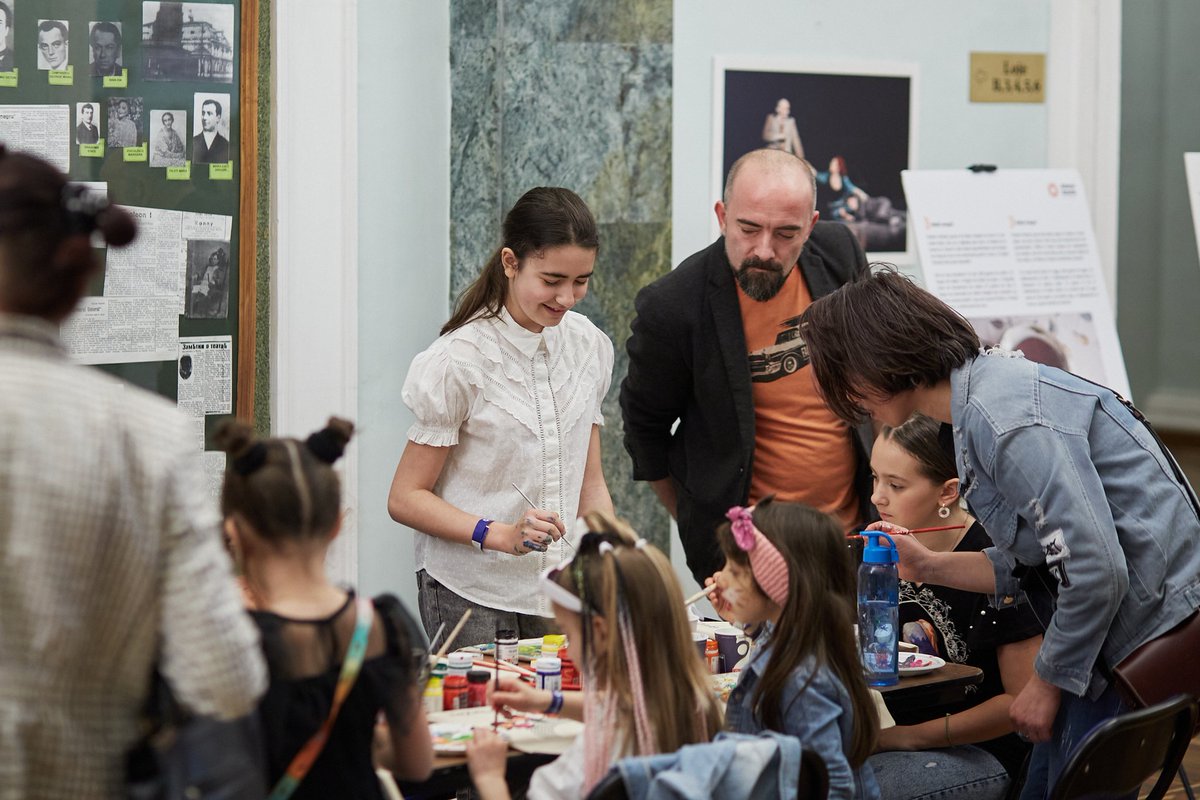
column 916, row 663
column 451, row 730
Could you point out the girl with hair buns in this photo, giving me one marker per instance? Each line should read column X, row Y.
column 787, row 568
column 282, row 507
column 510, row 395
column 645, row 691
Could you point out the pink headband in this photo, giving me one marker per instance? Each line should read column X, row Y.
column 766, row 562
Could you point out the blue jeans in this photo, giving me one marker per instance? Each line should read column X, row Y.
column 1077, row 716
column 963, row 771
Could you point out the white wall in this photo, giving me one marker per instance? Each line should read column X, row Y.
column 403, row 251
column 936, row 35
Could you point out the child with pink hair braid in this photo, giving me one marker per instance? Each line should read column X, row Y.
column 645, row 691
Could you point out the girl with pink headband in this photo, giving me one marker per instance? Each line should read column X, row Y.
column 789, row 578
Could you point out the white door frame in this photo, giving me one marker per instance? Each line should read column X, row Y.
column 314, row 231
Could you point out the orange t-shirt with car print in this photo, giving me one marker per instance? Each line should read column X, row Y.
column 802, row 451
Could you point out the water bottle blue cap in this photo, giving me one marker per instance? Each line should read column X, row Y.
column 876, row 553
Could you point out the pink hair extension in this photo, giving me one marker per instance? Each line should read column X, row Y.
column 645, row 737
column 598, row 732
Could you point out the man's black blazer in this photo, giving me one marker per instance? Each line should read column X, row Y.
column 688, row 361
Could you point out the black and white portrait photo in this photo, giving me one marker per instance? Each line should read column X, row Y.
column 188, row 41
column 210, row 139
column 208, row 280
column 167, row 147
column 124, row 122
column 104, row 45
column 854, row 124
column 53, row 40
column 87, row 122
column 6, row 36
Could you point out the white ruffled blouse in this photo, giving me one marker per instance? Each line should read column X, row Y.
column 515, row 407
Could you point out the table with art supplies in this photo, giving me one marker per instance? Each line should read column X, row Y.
column 536, row 739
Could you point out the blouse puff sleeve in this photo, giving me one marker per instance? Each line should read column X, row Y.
column 438, row 397
column 605, row 347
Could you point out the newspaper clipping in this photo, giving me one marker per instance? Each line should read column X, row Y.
column 206, row 375
column 41, row 130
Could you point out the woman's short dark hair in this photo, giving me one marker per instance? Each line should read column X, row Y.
column 883, row 335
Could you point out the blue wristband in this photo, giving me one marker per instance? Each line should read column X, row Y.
column 481, row 532
column 556, row 702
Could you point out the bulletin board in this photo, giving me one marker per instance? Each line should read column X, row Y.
column 156, row 104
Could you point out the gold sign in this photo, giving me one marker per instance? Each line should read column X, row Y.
column 1008, row 77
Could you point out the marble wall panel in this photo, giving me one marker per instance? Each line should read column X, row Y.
column 573, row 93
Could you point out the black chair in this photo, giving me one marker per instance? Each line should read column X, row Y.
column 1124, row 752
column 813, row 783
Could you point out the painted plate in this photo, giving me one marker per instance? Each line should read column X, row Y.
column 917, row 663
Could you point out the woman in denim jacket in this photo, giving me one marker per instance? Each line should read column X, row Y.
column 1060, row 473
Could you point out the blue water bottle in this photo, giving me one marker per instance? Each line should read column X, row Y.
column 879, row 610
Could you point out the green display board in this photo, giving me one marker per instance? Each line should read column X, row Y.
column 168, row 116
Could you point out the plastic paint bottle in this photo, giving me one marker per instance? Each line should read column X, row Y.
column 506, row 646
column 432, row 699
column 712, row 656
column 477, row 683
column 549, row 673
column 461, row 663
column 552, row 643
column 454, row 692
column 570, row 675
column 879, row 610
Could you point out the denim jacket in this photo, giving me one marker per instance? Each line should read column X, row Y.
column 730, row 767
column 820, row 716
column 1060, row 472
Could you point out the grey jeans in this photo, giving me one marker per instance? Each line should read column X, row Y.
column 440, row 605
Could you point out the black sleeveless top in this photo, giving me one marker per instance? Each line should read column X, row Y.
column 304, row 658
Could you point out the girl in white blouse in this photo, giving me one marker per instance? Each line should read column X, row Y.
column 508, row 396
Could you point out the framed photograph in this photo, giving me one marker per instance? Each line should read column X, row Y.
column 7, row 8
column 854, row 122
column 210, row 139
column 53, row 44
column 87, row 126
column 167, row 147
column 105, row 57
column 208, row 280
column 124, row 122
column 188, row 41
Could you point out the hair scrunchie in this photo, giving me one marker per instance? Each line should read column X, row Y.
column 767, row 564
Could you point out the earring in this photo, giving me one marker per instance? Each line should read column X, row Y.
column 943, row 512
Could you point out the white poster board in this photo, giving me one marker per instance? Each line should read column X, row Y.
column 1013, row 251
column 1191, row 165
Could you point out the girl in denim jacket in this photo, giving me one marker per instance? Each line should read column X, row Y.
column 789, row 574
column 1062, row 475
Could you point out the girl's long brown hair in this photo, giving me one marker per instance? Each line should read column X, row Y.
column 818, row 620
column 547, row 216
column 680, row 701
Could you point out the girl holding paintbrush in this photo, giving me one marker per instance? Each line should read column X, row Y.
column 282, row 507
column 916, row 487
column 645, row 691
column 507, row 401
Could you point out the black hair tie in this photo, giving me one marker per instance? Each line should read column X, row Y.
column 249, row 461
column 326, row 445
